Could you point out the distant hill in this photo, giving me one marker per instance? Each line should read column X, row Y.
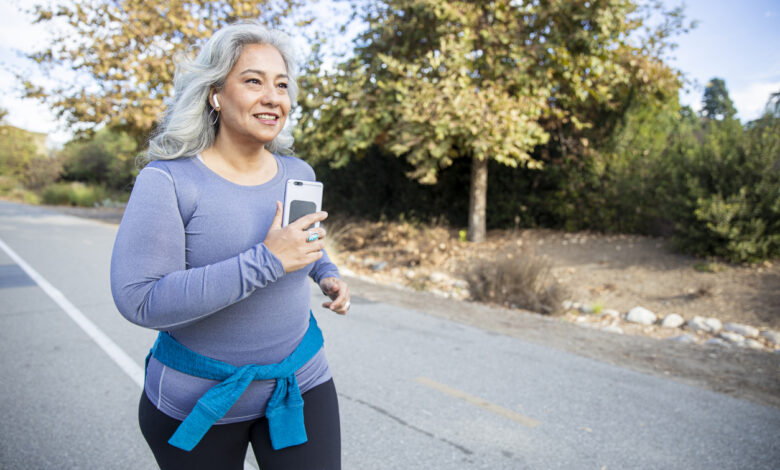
column 37, row 139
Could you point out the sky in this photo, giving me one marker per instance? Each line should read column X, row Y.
column 738, row 41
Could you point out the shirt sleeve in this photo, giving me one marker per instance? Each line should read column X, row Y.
column 149, row 280
column 323, row 268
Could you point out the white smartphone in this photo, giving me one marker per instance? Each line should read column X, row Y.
column 301, row 198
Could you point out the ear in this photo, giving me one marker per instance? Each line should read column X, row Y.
column 213, row 100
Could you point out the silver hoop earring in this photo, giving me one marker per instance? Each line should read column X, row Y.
column 216, row 118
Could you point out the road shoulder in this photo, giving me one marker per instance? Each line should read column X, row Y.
column 737, row 372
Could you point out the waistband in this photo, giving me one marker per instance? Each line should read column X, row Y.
column 284, row 410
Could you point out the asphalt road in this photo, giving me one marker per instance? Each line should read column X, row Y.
column 416, row 391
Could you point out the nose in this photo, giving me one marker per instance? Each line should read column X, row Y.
column 270, row 96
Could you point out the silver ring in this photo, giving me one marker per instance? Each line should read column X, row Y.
column 348, row 304
column 313, row 236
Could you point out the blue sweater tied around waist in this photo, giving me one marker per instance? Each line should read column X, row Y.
column 284, row 410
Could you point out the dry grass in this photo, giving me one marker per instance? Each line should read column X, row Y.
column 400, row 244
column 433, row 258
column 515, row 279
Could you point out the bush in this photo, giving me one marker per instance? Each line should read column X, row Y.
column 8, row 184
column 74, row 194
column 105, row 158
column 724, row 191
column 41, row 172
column 376, row 187
column 12, row 189
column 517, row 281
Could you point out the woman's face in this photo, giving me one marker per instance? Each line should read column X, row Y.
column 254, row 102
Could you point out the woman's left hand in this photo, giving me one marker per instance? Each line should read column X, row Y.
column 338, row 291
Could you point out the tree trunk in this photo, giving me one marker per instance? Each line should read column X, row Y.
column 478, row 200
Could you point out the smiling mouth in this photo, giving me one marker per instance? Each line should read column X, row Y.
column 266, row 117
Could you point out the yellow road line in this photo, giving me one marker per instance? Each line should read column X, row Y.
column 484, row 404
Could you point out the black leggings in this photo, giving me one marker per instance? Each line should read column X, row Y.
column 224, row 446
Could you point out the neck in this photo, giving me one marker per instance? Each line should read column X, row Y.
column 240, row 162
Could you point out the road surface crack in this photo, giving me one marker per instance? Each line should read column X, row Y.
column 386, row 413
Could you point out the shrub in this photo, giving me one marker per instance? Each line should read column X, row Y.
column 12, row 189
column 41, row 172
column 515, row 280
column 8, row 184
column 73, row 194
column 106, row 158
column 724, row 191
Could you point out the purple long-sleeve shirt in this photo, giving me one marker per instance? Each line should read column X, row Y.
column 189, row 259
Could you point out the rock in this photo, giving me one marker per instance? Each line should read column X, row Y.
column 346, row 271
column 771, row 336
column 753, row 344
column 733, row 338
column 586, row 309
column 611, row 312
column 744, row 330
column 714, row 324
column 440, row 293
column 672, row 321
column 410, row 274
column 567, row 304
column 379, row 266
column 707, row 325
column 686, row 338
column 697, row 324
column 641, row 315
column 461, row 284
column 715, row 342
column 461, row 294
column 437, row 277
column 613, row 329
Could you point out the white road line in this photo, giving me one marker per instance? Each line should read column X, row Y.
column 121, row 358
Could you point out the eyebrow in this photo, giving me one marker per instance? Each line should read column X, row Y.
column 260, row 72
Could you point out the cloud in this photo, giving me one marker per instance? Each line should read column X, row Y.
column 751, row 100
column 17, row 31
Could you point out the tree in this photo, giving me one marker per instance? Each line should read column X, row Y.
column 122, row 53
column 435, row 80
column 24, row 158
column 772, row 107
column 717, row 104
column 106, row 157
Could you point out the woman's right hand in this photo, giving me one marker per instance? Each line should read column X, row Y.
column 290, row 244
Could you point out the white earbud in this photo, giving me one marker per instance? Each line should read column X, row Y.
column 216, row 101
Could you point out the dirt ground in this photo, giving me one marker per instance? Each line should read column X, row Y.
column 604, row 271
column 608, row 271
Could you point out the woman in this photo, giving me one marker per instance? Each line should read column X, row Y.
column 202, row 257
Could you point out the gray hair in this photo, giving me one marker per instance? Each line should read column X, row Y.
column 187, row 127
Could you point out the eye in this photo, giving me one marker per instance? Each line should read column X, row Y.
column 253, row 81
column 283, row 85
